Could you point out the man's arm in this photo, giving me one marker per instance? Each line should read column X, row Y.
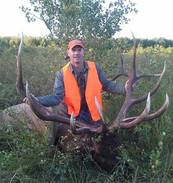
column 58, row 92
column 110, row 86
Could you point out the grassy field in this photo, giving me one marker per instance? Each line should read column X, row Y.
column 147, row 149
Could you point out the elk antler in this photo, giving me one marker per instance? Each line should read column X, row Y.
column 19, row 83
column 79, row 127
column 121, row 119
column 42, row 112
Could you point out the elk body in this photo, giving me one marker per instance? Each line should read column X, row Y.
column 105, row 151
column 22, row 112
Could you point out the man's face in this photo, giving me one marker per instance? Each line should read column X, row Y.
column 76, row 55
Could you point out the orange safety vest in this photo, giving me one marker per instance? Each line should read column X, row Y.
column 72, row 93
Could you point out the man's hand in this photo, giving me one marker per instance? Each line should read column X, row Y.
column 26, row 99
column 127, row 82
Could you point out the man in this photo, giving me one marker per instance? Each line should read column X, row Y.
column 75, row 88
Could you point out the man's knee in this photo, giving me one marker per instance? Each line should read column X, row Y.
column 60, row 109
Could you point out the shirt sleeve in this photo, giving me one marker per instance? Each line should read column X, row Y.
column 110, row 86
column 58, row 92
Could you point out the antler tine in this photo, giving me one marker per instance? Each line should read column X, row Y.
column 148, row 75
column 19, row 83
column 140, row 118
column 80, row 130
column 153, row 115
column 159, row 80
column 152, row 75
column 140, row 99
column 160, row 111
column 122, row 72
column 103, row 126
column 72, row 124
column 100, row 111
column 133, row 73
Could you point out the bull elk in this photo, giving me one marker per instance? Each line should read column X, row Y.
column 105, row 151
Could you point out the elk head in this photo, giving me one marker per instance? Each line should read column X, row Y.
column 105, row 150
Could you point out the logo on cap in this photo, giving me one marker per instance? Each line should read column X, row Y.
column 75, row 41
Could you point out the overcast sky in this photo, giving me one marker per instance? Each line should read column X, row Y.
column 154, row 20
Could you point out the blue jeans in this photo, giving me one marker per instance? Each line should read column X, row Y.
column 87, row 117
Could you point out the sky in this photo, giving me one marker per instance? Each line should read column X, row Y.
column 153, row 20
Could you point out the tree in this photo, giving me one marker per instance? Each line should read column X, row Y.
column 88, row 20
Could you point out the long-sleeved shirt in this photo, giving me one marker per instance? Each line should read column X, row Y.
column 58, row 92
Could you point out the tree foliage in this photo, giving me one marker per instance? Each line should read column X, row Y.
column 88, row 20
column 81, row 19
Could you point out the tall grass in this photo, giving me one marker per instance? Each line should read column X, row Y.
column 25, row 156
